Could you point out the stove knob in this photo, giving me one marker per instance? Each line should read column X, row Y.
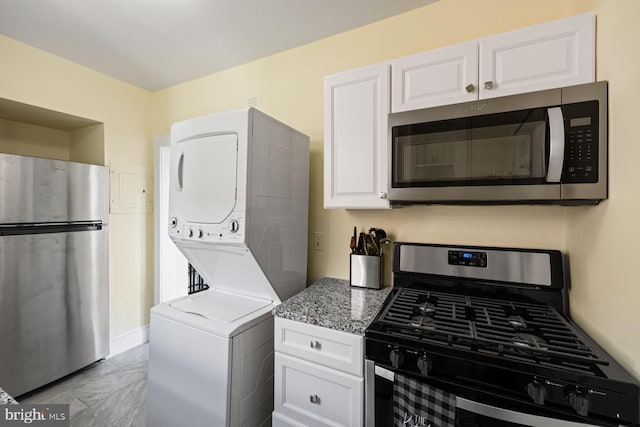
column 425, row 365
column 396, row 357
column 537, row 392
column 579, row 401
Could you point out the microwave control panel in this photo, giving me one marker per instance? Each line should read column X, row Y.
column 581, row 142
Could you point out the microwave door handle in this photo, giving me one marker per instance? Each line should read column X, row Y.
column 556, row 144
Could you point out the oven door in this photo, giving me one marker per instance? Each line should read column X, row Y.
column 379, row 408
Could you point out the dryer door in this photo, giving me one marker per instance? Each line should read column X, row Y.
column 206, row 178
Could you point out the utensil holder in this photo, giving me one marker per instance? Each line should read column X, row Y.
column 365, row 271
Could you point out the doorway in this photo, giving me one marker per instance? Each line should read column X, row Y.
column 171, row 267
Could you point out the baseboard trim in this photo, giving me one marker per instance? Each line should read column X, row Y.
column 128, row 340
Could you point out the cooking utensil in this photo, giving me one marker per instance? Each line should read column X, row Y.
column 352, row 245
column 360, row 247
column 377, row 237
column 370, row 245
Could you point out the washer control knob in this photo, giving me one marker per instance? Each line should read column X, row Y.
column 579, row 402
column 537, row 392
column 396, row 357
column 234, row 226
column 173, row 222
column 190, row 232
column 424, row 364
column 200, row 234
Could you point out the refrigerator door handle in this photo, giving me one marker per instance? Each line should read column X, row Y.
column 49, row 227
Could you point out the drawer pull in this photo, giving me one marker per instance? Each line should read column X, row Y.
column 314, row 399
column 316, row 345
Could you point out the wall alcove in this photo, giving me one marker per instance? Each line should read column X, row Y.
column 29, row 130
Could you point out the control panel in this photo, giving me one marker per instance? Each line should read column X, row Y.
column 468, row 258
column 581, row 143
column 231, row 230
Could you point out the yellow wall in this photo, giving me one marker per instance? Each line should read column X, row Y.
column 603, row 241
column 599, row 240
column 34, row 77
column 86, row 145
column 31, row 140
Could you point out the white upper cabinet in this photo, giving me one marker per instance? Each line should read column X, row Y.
column 357, row 102
column 545, row 56
column 356, row 105
column 436, row 77
column 550, row 55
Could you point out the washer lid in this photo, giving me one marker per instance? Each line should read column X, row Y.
column 219, row 306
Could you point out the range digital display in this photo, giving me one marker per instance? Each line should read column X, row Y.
column 468, row 258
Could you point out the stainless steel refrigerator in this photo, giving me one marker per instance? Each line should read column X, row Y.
column 54, row 292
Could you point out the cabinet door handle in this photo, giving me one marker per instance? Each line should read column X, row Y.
column 488, row 85
column 470, row 88
column 314, row 398
column 316, row 345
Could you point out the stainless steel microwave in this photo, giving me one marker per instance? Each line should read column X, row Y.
column 540, row 147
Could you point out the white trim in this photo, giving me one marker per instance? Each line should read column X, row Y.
column 128, row 340
column 159, row 142
column 170, row 267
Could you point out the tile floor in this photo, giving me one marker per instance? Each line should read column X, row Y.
column 112, row 392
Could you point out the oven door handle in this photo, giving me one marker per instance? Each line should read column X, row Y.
column 556, row 144
column 513, row 416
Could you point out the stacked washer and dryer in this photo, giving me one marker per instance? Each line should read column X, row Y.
column 238, row 210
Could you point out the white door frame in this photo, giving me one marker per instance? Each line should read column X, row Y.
column 166, row 253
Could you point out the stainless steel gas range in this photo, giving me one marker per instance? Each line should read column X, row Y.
column 480, row 336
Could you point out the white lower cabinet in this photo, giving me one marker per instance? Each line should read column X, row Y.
column 315, row 395
column 309, row 390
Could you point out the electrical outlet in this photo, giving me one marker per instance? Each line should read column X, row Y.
column 319, row 243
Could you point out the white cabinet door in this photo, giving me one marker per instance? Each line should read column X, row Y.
column 317, row 396
column 436, row 77
column 356, row 105
column 545, row 56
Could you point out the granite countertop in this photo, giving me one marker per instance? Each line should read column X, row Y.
column 333, row 304
column 5, row 398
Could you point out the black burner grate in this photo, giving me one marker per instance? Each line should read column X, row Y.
column 523, row 331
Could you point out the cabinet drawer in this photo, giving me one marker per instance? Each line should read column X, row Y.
column 334, row 349
column 317, row 396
